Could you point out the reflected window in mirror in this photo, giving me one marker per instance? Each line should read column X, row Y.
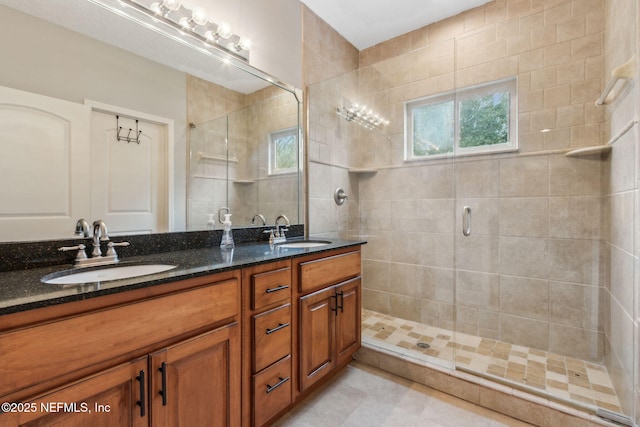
column 283, row 151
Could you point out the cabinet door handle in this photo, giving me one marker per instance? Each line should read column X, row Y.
column 163, row 392
column 335, row 307
column 277, row 328
column 340, row 295
column 276, row 289
column 282, row 381
column 141, row 402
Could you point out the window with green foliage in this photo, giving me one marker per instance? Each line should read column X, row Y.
column 477, row 119
column 283, row 151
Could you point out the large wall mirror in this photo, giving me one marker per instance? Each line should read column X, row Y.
column 214, row 135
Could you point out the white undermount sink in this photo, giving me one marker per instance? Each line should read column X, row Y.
column 76, row 277
column 304, row 244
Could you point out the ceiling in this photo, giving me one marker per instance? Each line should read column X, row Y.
column 365, row 23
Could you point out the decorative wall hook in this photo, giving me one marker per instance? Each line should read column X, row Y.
column 128, row 138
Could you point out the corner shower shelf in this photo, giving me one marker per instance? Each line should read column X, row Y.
column 588, row 151
column 362, row 170
column 244, row 181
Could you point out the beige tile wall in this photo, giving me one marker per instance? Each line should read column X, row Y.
column 537, row 220
column 621, row 189
column 247, row 121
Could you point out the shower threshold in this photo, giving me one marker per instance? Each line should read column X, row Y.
column 572, row 381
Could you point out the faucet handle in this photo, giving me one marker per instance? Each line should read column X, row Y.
column 111, row 251
column 80, row 256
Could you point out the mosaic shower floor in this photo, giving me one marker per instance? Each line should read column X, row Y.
column 560, row 376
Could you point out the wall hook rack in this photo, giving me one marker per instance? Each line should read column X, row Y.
column 128, row 138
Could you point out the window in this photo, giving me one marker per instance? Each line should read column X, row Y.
column 477, row 119
column 283, row 151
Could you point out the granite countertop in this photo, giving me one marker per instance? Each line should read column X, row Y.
column 22, row 290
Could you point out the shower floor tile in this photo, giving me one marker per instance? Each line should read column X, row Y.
column 560, row 376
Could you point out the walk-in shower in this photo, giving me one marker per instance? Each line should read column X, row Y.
column 513, row 260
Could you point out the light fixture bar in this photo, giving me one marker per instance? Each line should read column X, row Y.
column 184, row 34
column 362, row 115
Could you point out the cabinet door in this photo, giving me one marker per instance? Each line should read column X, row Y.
column 348, row 320
column 117, row 397
column 317, row 317
column 197, row 382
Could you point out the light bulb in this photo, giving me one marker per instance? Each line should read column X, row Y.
column 185, row 22
column 171, row 4
column 243, row 44
column 199, row 16
column 224, row 30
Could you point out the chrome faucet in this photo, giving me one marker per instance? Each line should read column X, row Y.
column 100, row 234
column 82, row 228
column 286, row 224
column 261, row 217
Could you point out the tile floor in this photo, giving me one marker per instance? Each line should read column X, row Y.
column 363, row 396
column 563, row 377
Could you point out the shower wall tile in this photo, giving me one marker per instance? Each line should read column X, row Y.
column 524, row 297
column 375, row 275
column 524, row 177
column 622, row 213
column 437, row 284
column 406, row 280
column 575, row 217
column 574, row 305
column 622, row 264
column 524, row 216
column 478, row 178
column 476, row 289
column 436, row 181
column 582, row 343
column 436, row 215
column 523, row 331
column 524, row 256
column 409, row 308
column 437, row 250
column 574, row 176
column 477, row 253
column 574, row 260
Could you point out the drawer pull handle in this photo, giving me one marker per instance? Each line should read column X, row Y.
column 141, row 402
column 276, row 289
column 277, row 328
column 163, row 392
column 340, row 294
column 282, row 381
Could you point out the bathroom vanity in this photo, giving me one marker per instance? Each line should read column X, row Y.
column 215, row 341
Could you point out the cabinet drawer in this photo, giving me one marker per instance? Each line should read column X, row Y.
column 271, row 336
column 272, row 391
column 270, row 287
column 328, row 271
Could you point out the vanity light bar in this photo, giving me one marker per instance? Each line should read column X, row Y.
column 185, row 22
column 362, row 115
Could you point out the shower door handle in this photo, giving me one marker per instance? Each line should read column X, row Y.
column 466, row 220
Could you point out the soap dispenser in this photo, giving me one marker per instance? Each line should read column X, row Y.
column 211, row 223
column 227, row 236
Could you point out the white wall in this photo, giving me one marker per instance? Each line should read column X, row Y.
column 49, row 60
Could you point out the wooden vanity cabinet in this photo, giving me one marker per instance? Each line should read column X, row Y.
column 267, row 336
column 162, row 356
column 329, row 293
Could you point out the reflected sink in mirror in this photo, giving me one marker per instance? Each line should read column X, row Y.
column 304, row 244
column 80, row 276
